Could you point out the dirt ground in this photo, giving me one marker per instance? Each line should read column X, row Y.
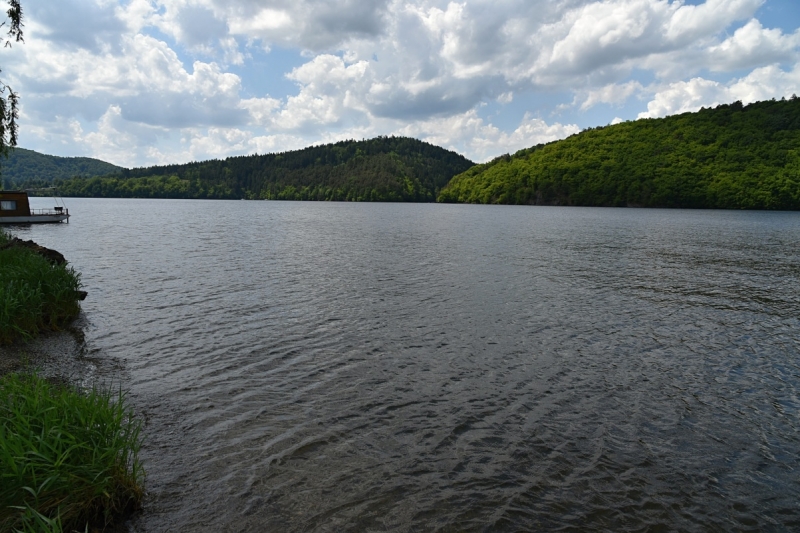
column 59, row 356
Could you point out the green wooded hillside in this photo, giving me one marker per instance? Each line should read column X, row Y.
column 32, row 169
column 380, row 169
column 732, row 156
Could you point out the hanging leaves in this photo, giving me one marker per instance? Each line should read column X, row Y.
column 9, row 100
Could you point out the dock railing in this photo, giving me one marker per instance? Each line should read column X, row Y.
column 50, row 211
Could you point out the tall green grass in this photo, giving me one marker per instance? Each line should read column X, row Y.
column 34, row 294
column 68, row 458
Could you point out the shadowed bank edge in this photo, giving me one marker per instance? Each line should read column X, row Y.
column 68, row 456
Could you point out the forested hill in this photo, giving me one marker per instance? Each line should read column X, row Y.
column 380, row 169
column 732, row 156
column 32, row 169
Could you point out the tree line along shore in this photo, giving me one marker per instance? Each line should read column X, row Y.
column 732, row 156
column 68, row 456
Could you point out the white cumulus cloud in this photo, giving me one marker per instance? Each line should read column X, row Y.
column 761, row 84
column 174, row 80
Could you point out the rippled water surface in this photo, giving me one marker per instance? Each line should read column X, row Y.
column 390, row 367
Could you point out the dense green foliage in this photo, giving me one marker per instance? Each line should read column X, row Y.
column 380, row 169
column 28, row 169
column 68, row 458
column 34, row 294
column 732, row 156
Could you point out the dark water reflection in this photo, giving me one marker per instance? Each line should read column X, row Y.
column 386, row 367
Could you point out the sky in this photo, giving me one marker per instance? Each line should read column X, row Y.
column 145, row 82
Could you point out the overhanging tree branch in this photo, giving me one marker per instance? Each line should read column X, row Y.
column 9, row 100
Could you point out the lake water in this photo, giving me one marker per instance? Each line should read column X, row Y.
column 407, row 367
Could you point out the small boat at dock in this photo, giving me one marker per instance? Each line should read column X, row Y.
column 15, row 209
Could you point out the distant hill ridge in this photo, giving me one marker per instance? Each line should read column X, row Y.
column 732, row 156
column 31, row 169
column 379, row 169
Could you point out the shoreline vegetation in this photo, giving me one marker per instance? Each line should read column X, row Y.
column 36, row 294
column 730, row 157
column 68, row 456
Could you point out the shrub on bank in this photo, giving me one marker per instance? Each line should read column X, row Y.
column 68, row 458
column 34, row 294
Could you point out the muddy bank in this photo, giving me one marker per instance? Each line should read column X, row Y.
column 59, row 355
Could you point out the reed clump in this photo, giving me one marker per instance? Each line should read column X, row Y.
column 34, row 294
column 68, row 457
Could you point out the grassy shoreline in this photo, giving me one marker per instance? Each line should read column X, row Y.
column 35, row 294
column 68, row 456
